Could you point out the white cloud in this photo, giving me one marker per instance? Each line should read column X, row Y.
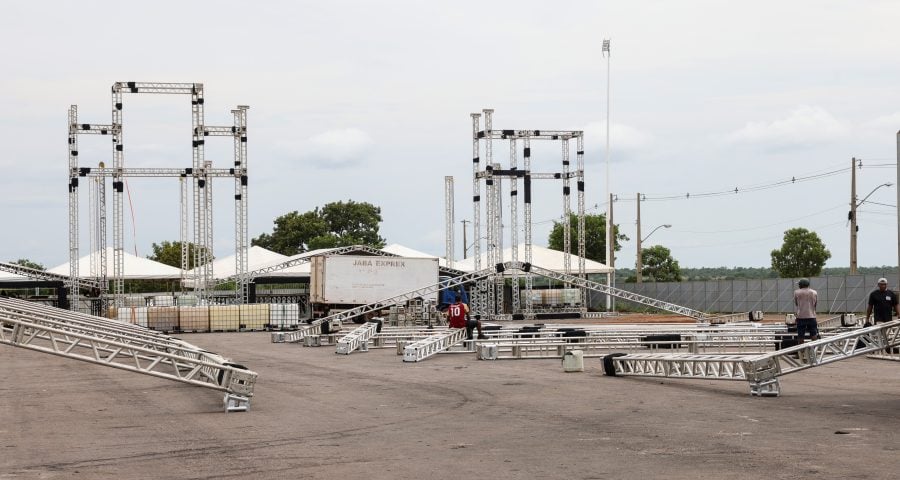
column 803, row 126
column 622, row 138
column 889, row 122
column 333, row 149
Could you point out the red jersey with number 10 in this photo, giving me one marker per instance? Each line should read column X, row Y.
column 457, row 314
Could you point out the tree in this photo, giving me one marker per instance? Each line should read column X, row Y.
column 336, row 224
column 169, row 253
column 28, row 263
column 594, row 237
column 801, row 255
column 658, row 265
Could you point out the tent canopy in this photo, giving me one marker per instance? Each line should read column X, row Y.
column 135, row 268
column 257, row 257
column 540, row 256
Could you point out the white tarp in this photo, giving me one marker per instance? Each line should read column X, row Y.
column 135, row 268
column 541, row 257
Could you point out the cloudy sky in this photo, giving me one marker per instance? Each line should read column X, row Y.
column 370, row 101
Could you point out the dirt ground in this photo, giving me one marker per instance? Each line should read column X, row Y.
column 369, row 415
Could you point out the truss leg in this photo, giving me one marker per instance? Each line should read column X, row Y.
column 766, row 388
column 236, row 403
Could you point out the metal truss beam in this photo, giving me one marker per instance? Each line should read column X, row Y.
column 155, row 87
column 533, row 134
column 607, row 290
column 760, row 371
column 358, row 338
column 30, row 326
column 304, row 260
column 45, row 275
column 432, row 345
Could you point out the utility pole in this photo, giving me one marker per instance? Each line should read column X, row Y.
column 853, row 227
column 465, row 245
column 898, row 203
column 639, row 259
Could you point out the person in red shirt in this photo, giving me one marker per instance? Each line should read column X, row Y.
column 458, row 316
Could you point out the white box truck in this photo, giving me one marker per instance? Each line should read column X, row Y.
column 341, row 282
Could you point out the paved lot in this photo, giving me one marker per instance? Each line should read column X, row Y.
column 369, row 415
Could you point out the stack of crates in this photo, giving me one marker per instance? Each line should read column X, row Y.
column 163, row 319
column 164, row 301
column 133, row 315
column 254, row 316
column 187, row 301
column 224, row 318
column 193, row 318
column 284, row 316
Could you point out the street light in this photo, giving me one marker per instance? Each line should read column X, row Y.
column 854, row 228
column 639, row 242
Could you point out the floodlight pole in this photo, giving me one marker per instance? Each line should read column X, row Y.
column 610, row 238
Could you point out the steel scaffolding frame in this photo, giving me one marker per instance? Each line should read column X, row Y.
column 488, row 297
column 200, row 172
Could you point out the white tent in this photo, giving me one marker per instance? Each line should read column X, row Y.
column 257, row 257
column 135, row 268
column 540, row 257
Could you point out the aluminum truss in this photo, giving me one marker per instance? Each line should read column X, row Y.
column 606, row 289
column 448, row 219
column 127, row 347
column 488, row 297
column 200, row 173
column 430, row 346
column 44, row 275
column 304, row 259
column 760, row 371
column 358, row 338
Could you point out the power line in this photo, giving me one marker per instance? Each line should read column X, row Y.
column 763, row 226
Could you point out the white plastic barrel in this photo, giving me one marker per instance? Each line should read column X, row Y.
column 573, row 361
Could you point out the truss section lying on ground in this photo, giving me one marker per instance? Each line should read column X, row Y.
column 432, row 345
column 124, row 346
column 761, row 371
column 357, row 339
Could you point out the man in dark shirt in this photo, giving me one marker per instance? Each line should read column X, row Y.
column 883, row 303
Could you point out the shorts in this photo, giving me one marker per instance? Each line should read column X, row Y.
column 807, row 325
column 470, row 326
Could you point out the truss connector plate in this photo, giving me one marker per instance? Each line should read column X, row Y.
column 236, row 403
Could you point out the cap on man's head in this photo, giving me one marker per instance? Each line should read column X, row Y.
column 882, row 280
column 804, row 282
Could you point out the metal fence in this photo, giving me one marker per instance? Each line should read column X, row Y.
column 837, row 293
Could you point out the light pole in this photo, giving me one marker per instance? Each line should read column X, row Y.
column 639, row 242
column 854, row 228
column 610, row 236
